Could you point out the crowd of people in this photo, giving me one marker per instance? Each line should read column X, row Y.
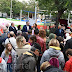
column 30, row 49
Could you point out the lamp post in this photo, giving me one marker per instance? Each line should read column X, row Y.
column 11, row 10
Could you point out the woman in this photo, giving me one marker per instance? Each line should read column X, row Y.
column 22, row 45
column 19, row 27
column 34, row 28
column 68, row 64
column 42, row 34
column 54, row 50
column 32, row 39
column 10, row 56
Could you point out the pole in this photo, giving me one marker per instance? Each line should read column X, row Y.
column 11, row 10
column 35, row 11
column 28, row 15
column 20, row 14
column 68, row 19
column 32, row 16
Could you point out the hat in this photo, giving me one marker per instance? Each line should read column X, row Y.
column 67, row 31
column 37, row 46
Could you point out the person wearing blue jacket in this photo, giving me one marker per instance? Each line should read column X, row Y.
column 26, row 27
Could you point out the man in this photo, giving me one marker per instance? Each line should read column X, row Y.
column 12, row 28
column 27, row 61
column 26, row 27
column 40, row 41
column 60, row 31
column 4, row 35
column 53, row 29
column 11, row 40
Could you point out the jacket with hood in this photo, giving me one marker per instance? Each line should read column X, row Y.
column 53, row 51
column 26, row 62
column 47, row 40
column 68, row 65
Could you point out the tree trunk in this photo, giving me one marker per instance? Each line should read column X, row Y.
column 58, row 17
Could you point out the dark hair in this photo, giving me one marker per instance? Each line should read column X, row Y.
column 33, row 48
column 11, row 24
column 69, row 51
column 60, row 39
column 27, row 22
column 35, row 24
column 26, row 36
column 18, row 27
column 33, row 38
column 36, row 31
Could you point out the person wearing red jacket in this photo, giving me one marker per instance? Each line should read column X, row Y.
column 68, row 64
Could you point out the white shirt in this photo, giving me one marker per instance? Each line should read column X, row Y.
column 27, row 27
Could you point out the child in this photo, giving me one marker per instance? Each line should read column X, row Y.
column 9, row 55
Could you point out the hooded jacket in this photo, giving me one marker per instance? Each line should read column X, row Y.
column 53, row 51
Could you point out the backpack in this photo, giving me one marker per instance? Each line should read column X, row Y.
column 23, row 63
column 54, row 61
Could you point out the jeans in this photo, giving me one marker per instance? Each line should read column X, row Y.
column 9, row 67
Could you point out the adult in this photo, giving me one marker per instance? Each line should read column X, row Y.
column 19, row 33
column 60, row 31
column 11, row 40
column 19, row 27
column 53, row 29
column 27, row 61
column 40, row 41
column 26, row 36
column 47, row 67
column 42, row 34
column 48, row 31
column 34, row 28
column 33, row 43
column 68, row 64
column 60, row 39
column 22, row 45
column 51, row 36
column 54, row 51
column 12, row 28
column 4, row 35
column 26, row 27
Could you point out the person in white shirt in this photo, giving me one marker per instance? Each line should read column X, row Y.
column 11, row 40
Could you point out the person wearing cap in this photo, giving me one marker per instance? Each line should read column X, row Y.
column 46, row 67
column 29, row 60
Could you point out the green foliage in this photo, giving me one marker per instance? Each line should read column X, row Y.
column 5, row 6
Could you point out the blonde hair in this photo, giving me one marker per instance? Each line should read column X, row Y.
column 44, row 65
column 54, row 42
column 19, row 41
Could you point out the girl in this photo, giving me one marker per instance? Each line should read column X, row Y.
column 9, row 55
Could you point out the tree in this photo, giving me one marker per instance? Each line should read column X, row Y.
column 56, row 5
